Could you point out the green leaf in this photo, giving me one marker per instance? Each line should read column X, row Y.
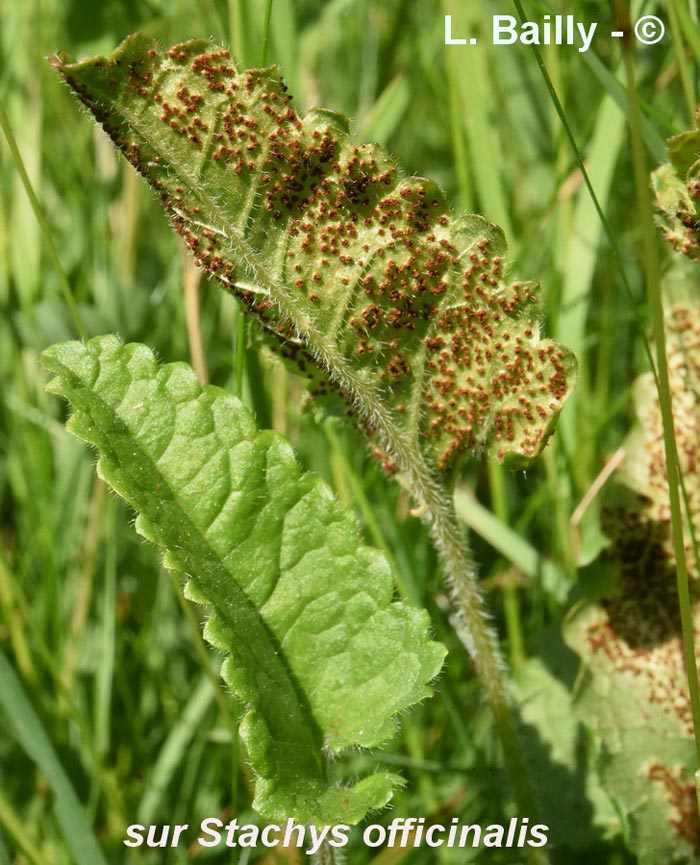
column 347, row 264
column 560, row 754
column 317, row 649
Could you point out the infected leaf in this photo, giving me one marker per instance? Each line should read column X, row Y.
column 677, row 187
column 635, row 690
column 347, row 264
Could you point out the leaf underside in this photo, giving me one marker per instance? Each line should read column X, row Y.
column 316, row 648
column 348, row 266
column 636, row 692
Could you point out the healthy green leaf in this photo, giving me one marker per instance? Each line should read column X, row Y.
column 347, row 264
column 635, row 691
column 317, row 649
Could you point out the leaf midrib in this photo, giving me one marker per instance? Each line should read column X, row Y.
column 366, row 393
column 248, row 620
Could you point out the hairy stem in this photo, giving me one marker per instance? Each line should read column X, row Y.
column 327, row 855
column 471, row 621
column 471, row 624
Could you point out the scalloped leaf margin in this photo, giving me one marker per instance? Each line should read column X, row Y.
column 347, row 264
column 317, row 649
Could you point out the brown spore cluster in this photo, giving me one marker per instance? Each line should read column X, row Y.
column 414, row 297
column 684, row 235
column 677, row 185
column 638, row 632
column 680, row 793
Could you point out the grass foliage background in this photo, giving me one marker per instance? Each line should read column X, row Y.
column 92, row 630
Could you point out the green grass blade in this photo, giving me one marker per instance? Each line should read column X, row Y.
column 689, row 28
column 510, row 544
column 66, row 288
column 474, row 90
column 615, row 89
column 17, row 829
column 173, row 751
column 30, row 734
column 584, row 245
column 384, row 117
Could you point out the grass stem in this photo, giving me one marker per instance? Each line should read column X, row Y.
column 265, row 33
column 561, row 114
column 15, row 826
column 511, row 602
column 683, row 70
column 191, row 278
column 66, row 289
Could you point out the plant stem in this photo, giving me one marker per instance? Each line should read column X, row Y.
column 474, row 631
column 266, row 33
column 679, row 48
column 439, row 512
column 511, row 603
column 609, row 234
column 326, row 855
column 191, row 278
column 471, row 626
column 16, row 828
column 651, row 266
